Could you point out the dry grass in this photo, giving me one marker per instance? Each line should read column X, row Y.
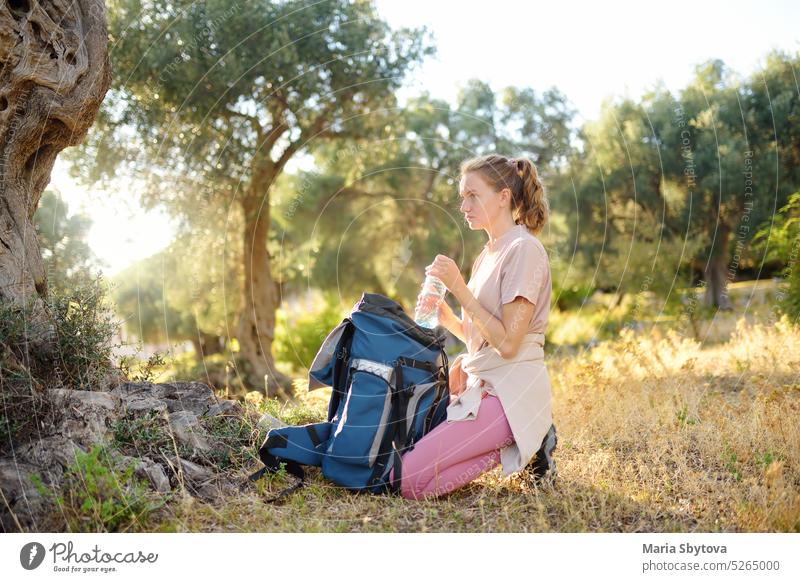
column 656, row 433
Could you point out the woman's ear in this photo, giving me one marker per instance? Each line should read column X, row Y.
column 505, row 196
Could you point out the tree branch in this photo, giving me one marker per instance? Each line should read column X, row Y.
column 352, row 193
column 252, row 119
column 305, row 136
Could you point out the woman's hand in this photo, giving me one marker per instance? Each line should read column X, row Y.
column 458, row 377
column 446, row 316
column 445, row 269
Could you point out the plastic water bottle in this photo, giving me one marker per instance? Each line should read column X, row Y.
column 427, row 314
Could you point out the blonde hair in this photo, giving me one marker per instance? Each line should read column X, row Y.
column 529, row 205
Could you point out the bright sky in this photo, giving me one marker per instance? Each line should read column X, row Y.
column 588, row 50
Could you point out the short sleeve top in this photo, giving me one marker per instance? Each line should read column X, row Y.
column 515, row 265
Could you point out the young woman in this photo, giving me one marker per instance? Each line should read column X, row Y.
column 500, row 391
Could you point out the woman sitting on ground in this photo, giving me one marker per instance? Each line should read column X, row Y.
column 500, row 389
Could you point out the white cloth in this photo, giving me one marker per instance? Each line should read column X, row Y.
column 522, row 384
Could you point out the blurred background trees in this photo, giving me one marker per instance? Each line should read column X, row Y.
column 275, row 136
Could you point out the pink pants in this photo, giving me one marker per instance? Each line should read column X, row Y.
column 453, row 454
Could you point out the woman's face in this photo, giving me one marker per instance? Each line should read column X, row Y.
column 480, row 205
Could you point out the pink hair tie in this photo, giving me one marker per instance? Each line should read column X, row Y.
column 514, row 163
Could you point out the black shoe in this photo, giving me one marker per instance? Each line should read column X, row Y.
column 544, row 466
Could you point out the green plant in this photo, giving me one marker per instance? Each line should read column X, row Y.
column 684, row 418
column 82, row 328
column 766, row 459
column 294, row 414
column 146, row 435
column 85, row 325
column 298, row 337
column 95, row 496
column 779, row 238
column 146, row 372
column 732, row 463
column 572, row 297
column 233, row 438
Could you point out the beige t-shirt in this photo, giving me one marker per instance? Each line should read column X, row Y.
column 515, row 265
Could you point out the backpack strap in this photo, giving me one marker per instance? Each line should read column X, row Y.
column 419, row 364
column 340, row 368
column 401, row 397
column 272, row 464
column 443, row 377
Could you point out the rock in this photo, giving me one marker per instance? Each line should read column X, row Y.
column 267, row 422
column 86, row 418
column 87, row 397
column 141, row 406
column 132, row 390
column 183, row 420
column 209, row 492
column 144, row 468
column 230, row 407
column 87, row 415
column 187, row 430
column 154, row 473
column 23, row 502
column 195, row 472
column 52, row 454
column 194, row 397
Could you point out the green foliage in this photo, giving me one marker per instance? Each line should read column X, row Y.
column 294, row 414
column 298, row 336
column 766, row 459
column 146, row 435
column 249, row 76
column 731, row 460
column 140, row 431
column 85, row 326
column 655, row 172
column 145, row 371
column 571, row 297
column 82, row 327
column 97, row 497
column 66, row 254
column 235, row 441
column 780, row 241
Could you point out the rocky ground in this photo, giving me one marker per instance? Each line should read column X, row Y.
column 177, row 436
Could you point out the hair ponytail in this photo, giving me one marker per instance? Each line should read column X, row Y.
column 533, row 209
column 529, row 205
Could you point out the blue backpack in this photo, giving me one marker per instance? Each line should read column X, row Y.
column 389, row 379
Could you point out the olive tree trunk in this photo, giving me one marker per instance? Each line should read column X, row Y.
column 54, row 73
column 716, row 272
column 261, row 298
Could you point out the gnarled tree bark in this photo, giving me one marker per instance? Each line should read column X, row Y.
column 54, row 73
column 261, row 297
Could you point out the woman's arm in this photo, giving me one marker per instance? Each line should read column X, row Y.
column 450, row 321
column 504, row 335
column 457, row 328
